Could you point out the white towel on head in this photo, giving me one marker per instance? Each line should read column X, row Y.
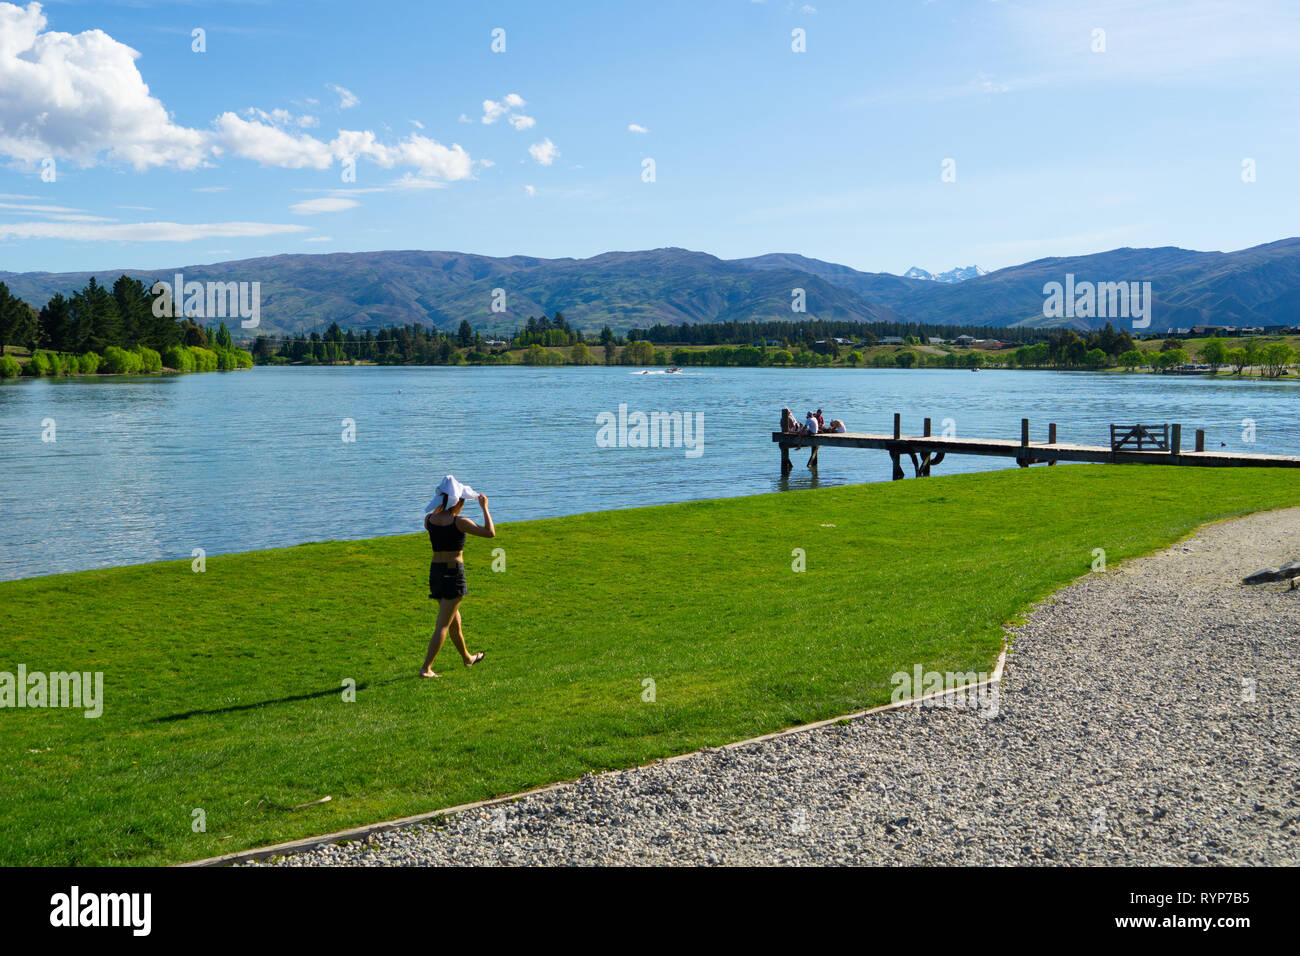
column 454, row 491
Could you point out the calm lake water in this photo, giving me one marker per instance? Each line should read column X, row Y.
column 151, row 468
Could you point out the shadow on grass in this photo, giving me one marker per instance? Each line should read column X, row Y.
column 330, row 692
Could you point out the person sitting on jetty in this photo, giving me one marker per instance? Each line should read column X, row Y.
column 821, row 422
column 836, row 427
column 447, row 585
column 788, row 425
column 811, row 424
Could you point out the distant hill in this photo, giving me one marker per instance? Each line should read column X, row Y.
column 1257, row 286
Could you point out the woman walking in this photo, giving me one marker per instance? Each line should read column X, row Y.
column 447, row 530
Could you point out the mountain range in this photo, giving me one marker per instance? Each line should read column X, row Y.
column 959, row 274
column 1259, row 286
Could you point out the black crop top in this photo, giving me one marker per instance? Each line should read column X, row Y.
column 445, row 537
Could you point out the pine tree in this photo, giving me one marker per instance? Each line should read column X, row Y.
column 133, row 310
column 17, row 323
column 54, row 326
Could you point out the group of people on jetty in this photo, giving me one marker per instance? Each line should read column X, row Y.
column 814, row 424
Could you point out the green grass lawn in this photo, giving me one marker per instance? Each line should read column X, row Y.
column 223, row 690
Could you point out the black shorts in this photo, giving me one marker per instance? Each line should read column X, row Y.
column 447, row 580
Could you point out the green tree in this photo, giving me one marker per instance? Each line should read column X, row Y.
column 1238, row 358
column 1130, row 359
column 193, row 336
column 1274, row 359
column 94, row 318
column 1214, row 353
column 638, row 353
column 54, row 326
column 906, row 359
column 133, row 310
column 466, row 334
column 17, row 321
column 221, row 339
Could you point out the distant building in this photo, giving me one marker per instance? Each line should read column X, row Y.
column 891, row 340
column 935, row 340
column 964, row 340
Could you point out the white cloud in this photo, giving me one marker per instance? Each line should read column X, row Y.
column 76, row 97
column 417, row 124
column 270, row 145
column 347, row 99
column 531, row 190
column 509, row 109
column 311, row 207
column 636, row 128
column 80, row 98
column 544, row 152
column 31, row 207
column 408, row 181
column 142, row 231
column 53, row 213
column 319, row 239
column 210, row 189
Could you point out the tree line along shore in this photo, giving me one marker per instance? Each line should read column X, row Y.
column 118, row 331
column 102, row 331
column 808, row 344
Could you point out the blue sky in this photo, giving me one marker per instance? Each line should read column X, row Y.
column 836, row 152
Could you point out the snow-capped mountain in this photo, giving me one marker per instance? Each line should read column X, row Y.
column 959, row 274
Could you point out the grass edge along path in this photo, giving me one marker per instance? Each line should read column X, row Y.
column 613, row 639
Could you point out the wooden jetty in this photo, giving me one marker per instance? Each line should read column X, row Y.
column 1130, row 445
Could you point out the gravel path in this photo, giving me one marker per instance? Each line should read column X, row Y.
column 1147, row 715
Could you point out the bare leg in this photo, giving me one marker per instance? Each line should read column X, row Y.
column 458, row 637
column 447, row 610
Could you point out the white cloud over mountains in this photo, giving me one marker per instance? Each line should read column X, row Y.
column 81, row 98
